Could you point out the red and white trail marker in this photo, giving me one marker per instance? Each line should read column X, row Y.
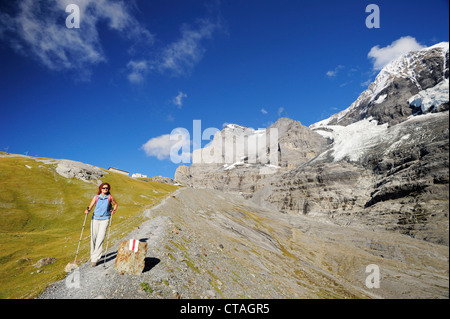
column 134, row 245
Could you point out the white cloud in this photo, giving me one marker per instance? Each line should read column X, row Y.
column 280, row 110
column 181, row 56
column 170, row 145
column 158, row 146
column 333, row 73
column 38, row 30
column 263, row 111
column 382, row 56
column 344, row 84
column 138, row 70
column 178, row 100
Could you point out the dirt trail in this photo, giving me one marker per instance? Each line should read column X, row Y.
column 209, row 244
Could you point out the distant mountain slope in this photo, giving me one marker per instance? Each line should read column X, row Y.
column 376, row 177
column 41, row 215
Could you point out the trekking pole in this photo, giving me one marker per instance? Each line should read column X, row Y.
column 81, row 236
column 107, row 240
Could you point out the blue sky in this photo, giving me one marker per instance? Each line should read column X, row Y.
column 135, row 70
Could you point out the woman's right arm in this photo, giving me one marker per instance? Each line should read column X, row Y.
column 90, row 206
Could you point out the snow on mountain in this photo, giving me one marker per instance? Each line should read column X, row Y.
column 430, row 98
column 354, row 140
column 381, row 99
column 410, row 66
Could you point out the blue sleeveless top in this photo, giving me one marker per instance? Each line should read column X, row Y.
column 102, row 208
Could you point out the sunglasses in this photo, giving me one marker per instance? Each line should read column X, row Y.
column 105, row 187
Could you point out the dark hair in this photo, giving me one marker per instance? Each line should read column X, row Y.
column 100, row 188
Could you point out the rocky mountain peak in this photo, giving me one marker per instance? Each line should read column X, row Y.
column 238, row 151
column 386, row 99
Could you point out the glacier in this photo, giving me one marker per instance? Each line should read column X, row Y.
column 430, row 98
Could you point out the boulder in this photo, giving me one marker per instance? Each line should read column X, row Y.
column 72, row 265
column 81, row 171
column 44, row 262
column 165, row 180
column 131, row 257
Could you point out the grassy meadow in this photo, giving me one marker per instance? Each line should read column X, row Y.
column 42, row 214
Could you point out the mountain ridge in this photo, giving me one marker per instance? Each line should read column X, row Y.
column 413, row 72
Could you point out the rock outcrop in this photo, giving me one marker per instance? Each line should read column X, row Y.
column 399, row 184
column 297, row 143
column 78, row 170
column 44, row 262
column 131, row 257
column 245, row 171
column 162, row 179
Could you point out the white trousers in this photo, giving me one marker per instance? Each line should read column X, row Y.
column 98, row 233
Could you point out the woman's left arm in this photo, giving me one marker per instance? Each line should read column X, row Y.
column 113, row 201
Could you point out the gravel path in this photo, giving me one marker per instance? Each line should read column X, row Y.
column 103, row 281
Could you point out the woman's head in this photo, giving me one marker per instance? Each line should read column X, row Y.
column 104, row 188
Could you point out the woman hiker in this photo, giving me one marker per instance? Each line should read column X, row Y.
column 100, row 220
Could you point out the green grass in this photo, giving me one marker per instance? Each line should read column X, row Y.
column 146, row 288
column 42, row 213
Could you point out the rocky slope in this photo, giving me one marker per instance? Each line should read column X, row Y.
column 209, row 244
column 380, row 164
column 399, row 183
